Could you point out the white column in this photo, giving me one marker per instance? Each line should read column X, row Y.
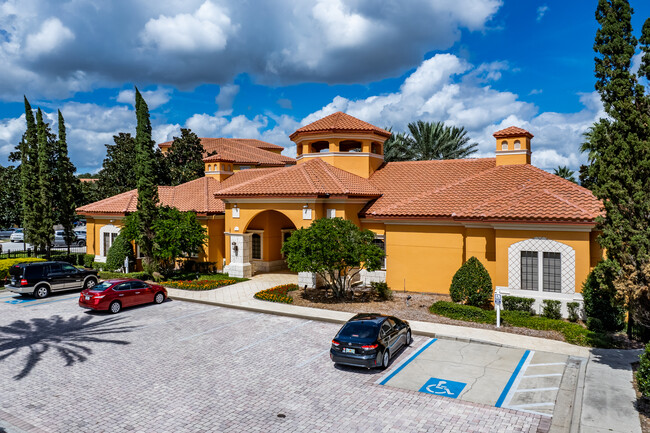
column 240, row 255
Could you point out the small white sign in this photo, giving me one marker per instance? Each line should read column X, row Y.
column 306, row 214
column 235, row 212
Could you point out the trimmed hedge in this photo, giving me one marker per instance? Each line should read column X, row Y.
column 517, row 303
column 105, row 275
column 643, row 373
column 573, row 332
column 75, row 259
column 574, row 311
column 277, row 293
column 599, row 294
column 88, row 260
column 551, row 309
column 471, row 284
column 5, row 264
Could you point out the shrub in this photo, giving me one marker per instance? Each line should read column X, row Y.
column 463, row 312
column 643, row 373
column 198, row 284
column 277, row 294
column 5, row 264
column 574, row 311
column 75, row 259
column 382, row 291
column 121, row 249
column 551, row 309
column 88, row 260
column 599, row 294
column 595, row 324
column 471, row 284
column 516, row 303
column 106, row 275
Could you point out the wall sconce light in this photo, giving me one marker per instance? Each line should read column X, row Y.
column 234, row 206
column 306, row 206
column 235, row 248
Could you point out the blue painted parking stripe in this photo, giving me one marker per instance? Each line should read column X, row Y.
column 503, row 395
column 415, row 355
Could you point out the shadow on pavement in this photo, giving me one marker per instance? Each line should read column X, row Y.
column 69, row 338
column 617, row 359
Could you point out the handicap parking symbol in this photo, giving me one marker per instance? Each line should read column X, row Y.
column 19, row 301
column 447, row 388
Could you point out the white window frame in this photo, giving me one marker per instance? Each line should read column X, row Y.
column 383, row 238
column 261, row 233
column 542, row 245
column 285, row 231
column 109, row 228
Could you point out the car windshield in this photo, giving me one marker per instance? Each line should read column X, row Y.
column 362, row 330
column 101, row 287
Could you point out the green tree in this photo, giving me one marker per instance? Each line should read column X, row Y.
column 176, row 235
column 619, row 152
column 335, row 249
column 28, row 150
column 121, row 249
column 10, row 203
column 67, row 185
column 429, row 141
column 397, row 147
column 145, row 173
column 600, row 297
column 43, row 232
column 565, row 172
column 586, row 181
column 185, row 158
column 471, row 284
column 117, row 174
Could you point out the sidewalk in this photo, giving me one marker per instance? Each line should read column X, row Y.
column 605, row 396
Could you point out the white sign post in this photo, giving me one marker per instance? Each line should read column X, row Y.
column 497, row 306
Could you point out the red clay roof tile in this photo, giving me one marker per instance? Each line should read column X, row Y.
column 512, row 131
column 339, row 122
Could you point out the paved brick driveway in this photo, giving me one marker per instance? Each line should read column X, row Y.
column 186, row 367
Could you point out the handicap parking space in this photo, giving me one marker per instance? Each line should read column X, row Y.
column 27, row 300
column 499, row 376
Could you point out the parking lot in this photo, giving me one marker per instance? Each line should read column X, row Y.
column 192, row 367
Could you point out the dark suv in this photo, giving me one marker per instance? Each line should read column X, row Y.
column 42, row 278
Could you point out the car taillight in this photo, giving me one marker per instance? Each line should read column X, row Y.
column 370, row 346
column 24, row 282
column 336, row 343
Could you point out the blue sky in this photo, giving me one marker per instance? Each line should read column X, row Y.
column 261, row 69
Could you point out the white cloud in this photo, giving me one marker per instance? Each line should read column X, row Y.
column 206, row 30
column 341, row 27
column 153, row 98
column 541, row 11
column 226, row 97
column 51, row 36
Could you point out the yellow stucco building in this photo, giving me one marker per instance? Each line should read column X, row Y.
column 533, row 231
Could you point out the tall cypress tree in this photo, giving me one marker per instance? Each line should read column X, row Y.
column 43, row 229
column 145, row 170
column 28, row 149
column 67, row 184
column 619, row 153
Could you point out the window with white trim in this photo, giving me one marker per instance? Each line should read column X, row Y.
column 529, row 270
column 256, row 246
column 381, row 244
column 107, row 235
column 552, row 268
column 541, row 264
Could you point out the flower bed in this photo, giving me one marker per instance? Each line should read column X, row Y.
column 198, row 284
column 277, row 294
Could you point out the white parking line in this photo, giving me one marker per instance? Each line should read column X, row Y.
column 318, row 355
column 181, row 317
column 271, row 337
column 528, row 405
column 544, row 375
column 548, row 363
column 515, row 384
column 537, row 389
column 225, row 325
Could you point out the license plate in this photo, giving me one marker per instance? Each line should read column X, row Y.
column 348, row 350
column 87, row 298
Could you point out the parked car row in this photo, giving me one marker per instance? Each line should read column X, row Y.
column 40, row 279
column 18, row 235
column 6, row 233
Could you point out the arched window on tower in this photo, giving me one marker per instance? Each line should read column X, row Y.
column 517, row 144
column 350, row 146
column 504, row 145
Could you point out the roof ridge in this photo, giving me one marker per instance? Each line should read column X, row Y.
column 335, row 178
column 271, row 170
column 308, row 177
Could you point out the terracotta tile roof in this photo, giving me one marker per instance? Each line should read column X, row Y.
column 258, row 143
column 196, row 196
column 314, row 178
column 512, row 131
column 477, row 189
column 87, row 179
column 339, row 122
column 242, row 151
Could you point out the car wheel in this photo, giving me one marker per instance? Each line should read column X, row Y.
column 159, row 298
column 408, row 338
column 81, row 243
column 41, row 292
column 115, row 307
column 385, row 359
column 90, row 283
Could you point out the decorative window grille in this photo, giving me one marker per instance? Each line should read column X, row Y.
column 552, row 269
column 529, row 270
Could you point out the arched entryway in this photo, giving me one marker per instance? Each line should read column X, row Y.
column 258, row 248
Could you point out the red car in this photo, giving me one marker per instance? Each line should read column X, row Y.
column 113, row 295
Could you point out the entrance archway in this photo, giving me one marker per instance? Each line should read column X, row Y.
column 268, row 230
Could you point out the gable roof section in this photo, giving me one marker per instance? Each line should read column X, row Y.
column 241, row 151
column 339, row 122
column 314, row 178
column 477, row 189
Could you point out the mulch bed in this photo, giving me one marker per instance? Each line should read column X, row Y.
column 416, row 308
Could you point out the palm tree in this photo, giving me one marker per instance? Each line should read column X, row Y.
column 429, row 141
column 564, row 172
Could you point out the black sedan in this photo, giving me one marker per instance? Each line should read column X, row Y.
column 370, row 340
